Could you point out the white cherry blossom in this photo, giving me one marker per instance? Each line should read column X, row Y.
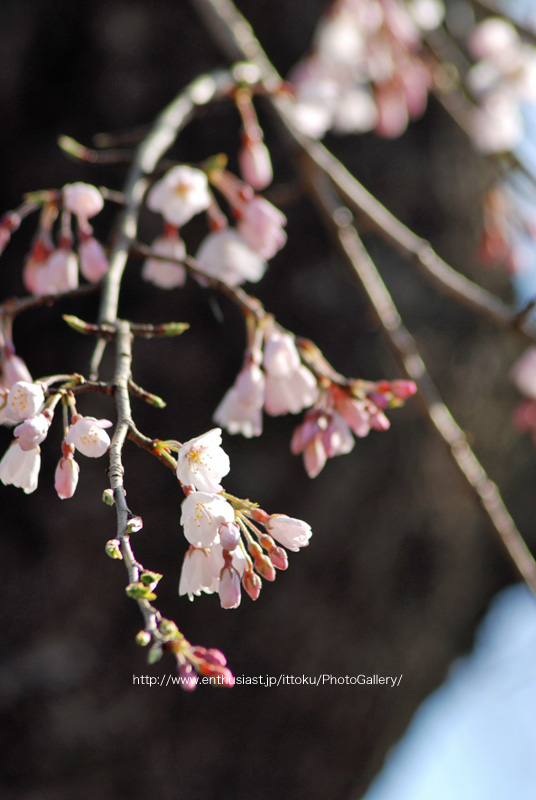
column 226, row 256
column 32, row 431
column 87, row 434
column 202, row 515
column 180, row 194
column 24, row 400
column 202, row 463
column 290, row 532
column 240, row 410
column 21, row 468
column 165, row 274
column 82, row 199
column 196, row 573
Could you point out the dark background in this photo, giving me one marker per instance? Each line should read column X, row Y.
column 401, row 566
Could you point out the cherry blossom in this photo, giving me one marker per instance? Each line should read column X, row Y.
column 166, row 274
column 202, row 515
column 290, row 386
column 202, row 463
column 24, row 400
column 82, row 199
column 240, row 410
column 88, row 436
column 21, row 468
column 32, row 431
column 13, row 369
column 181, row 194
column 196, row 573
column 260, row 224
column 58, row 274
column 290, row 532
column 226, row 256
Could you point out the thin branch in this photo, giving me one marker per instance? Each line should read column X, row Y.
column 124, row 423
column 485, row 491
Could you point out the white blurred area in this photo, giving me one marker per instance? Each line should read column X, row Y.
column 475, row 737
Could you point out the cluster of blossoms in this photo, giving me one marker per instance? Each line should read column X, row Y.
column 276, row 379
column 502, row 80
column 25, row 405
column 365, row 71
column 230, row 254
column 228, row 550
column 50, row 268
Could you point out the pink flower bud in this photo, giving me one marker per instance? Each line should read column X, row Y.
column 251, row 583
column 93, row 262
column 66, row 477
column 255, row 163
column 278, row 557
column 188, row 678
column 229, row 589
column 229, row 535
column 214, row 656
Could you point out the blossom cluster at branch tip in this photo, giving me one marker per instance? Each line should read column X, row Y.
column 503, row 78
column 366, row 71
column 50, row 268
column 228, row 551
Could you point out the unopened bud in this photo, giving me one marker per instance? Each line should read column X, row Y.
column 143, row 638
column 229, row 535
column 188, row 677
column 154, row 654
column 264, row 567
column 252, row 584
column 134, row 524
column 168, row 629
column 149, row 578
column 138, row 591
column 113, row 549
column 108, row 497
column 278, row 557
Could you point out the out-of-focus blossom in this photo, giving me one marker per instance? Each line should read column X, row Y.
column 260, row 224
column 181, row 194
column 93, row 261
column 82, row 199
column 166, row 274
column 255, row 162
column 58, row 274
column 226, row 256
